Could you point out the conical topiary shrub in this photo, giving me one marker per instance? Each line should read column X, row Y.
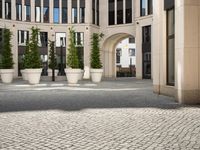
column 32, row 62
column 96, row 70
column 7, row 56
column 73, row 73
column 7, row 63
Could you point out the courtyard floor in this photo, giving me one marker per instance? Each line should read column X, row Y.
column 121, row 114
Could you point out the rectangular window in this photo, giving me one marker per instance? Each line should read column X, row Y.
column 93, row 12
column 23, row 37
column 60, row 39
column 111, row 10
column 82, row 11
column 79, row 39
column 56, row 11
column 128, row 11
column 118, row 55
column 43, row 39
column 98, row 12
column 170, row 47
column 131, row 40
column 0, row 8
column 18, row 12
column 119, row 11
column 64, row 11
column 74, row 11
column 146, row 7
column 131, row 51
column 27, row 13
column 37, row 14
column 7, row 9
column 46, row 11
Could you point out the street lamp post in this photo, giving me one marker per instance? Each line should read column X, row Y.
column 61, row 53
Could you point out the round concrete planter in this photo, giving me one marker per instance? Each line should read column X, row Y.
column 50, row 72
column 7, row 75
column 96, row 75
column 81, row 75
column 34, row 75
column 73, row 75
column 24, row 75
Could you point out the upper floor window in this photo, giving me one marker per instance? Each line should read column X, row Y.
column 111, row 17
column 74, row 11
column 131, row 51
column 37, row 11
column 64, row 11
column 128, row 11
column 23, row 37
column 82, row 11
column 95, row 12
column 120, row 12
column 131, row 40
column 56, row 11
column 146, row 7
column 0, row 8
column 7, row 9
column 27, row 11
column 46, row 11
column 18, row 10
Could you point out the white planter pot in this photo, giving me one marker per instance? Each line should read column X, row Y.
column 34, row 75
column 24, row 75
column 72, row 75
column 7, row 75
column 81, row 75
column 50, row 72
column 96, row 75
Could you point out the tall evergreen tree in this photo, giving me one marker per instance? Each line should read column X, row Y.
column 32, row 57
column 52, row 56
column 7, row 56
column 72, row 57
column 95, row 60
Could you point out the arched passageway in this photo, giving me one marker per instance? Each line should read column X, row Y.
column 109, row 52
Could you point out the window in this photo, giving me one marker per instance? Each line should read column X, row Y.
column 93, row 12
column 27, row 9
column 43, row 39
column 82, row 11
column 131, row 51
column 7, row 9
column 119, row 11
column 37, row 14
column 60, row 39
column 74, row 11
column 111, row 18
column 131, row 40
column 0, row 8
column 46, row 11
column 118, row 55
column 98, row 12
column 128, row 11
column 170, row 47
column 56, row 11
column 79, row 39
column 146, row 7
column 18, row 12
column 64, row 11
column 23, row 37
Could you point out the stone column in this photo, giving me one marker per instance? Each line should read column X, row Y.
column 187, row 39
column 13, row 9
column 69, row 11
column 32, row 10
column 60, row 11
column 3, row 9
column 51, row 11
column 78, row 11
column 42, row 11
column 23, row 10
column 88, row 11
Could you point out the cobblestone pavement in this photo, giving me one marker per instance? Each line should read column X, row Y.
column 114, row 115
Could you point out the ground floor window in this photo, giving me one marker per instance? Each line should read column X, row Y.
column 170, row 47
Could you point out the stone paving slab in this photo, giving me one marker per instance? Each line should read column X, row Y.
column 95, row 118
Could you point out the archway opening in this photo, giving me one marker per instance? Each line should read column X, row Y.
column 109, row 50
column 126, row 58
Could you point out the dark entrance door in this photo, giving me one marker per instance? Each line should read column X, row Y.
column 146, row 52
